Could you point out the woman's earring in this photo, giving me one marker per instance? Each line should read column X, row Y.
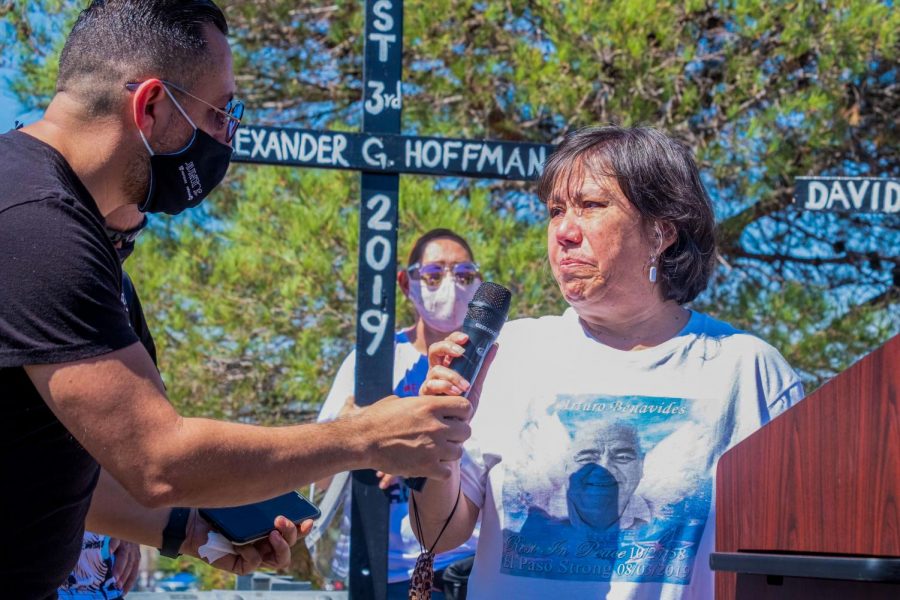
column 655, row 257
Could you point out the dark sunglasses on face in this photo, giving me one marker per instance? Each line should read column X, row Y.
column 433, row 273
column 228, row 118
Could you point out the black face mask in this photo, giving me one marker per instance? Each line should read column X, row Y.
column 182, row 179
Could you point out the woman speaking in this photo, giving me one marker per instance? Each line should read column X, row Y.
column 596, row 432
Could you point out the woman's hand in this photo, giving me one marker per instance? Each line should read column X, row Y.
column 126, row 563
column 442, row 380
column 349, row 408
column 386, row 480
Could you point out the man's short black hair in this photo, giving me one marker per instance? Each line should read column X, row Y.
column 115, row 42
column 659, row 176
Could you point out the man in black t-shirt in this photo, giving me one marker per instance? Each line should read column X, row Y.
column 108, row 567
column 142, row 119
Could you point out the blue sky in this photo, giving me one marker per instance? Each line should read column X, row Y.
column 10, row 109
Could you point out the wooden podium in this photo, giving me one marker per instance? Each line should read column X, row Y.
column 809, row 505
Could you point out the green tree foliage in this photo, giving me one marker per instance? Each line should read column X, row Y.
column 31, row 37
column 253, row 299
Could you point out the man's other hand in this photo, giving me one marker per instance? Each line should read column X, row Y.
column 272, row 552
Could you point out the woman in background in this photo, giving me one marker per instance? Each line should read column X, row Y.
column 440, row 280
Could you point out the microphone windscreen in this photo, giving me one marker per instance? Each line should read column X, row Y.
column 490, row 305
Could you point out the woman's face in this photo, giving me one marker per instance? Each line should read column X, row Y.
column 445, row 252
column 443, row 304
column 598, row 246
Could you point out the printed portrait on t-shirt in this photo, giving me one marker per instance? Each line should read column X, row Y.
column 608, row 489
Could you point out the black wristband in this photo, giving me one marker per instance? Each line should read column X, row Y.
column 175, row 532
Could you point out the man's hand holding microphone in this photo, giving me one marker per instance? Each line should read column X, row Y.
column 419, row 438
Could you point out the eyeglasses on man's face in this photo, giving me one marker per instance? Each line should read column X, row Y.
column 227, row 118
column 433, row 273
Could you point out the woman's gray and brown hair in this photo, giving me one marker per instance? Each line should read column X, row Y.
column 660, row 178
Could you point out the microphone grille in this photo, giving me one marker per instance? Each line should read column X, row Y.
column 494, row 295
column 490, row 305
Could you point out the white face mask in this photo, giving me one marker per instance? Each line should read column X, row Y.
column 443, row 309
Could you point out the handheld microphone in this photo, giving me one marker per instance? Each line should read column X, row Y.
column 484, row 319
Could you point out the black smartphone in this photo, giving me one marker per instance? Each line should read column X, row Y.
column 252, row 522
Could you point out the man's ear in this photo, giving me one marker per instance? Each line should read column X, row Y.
column 147, row 106
column 403, row 281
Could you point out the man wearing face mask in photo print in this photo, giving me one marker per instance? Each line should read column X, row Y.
column 440, row 280
column 143, row 117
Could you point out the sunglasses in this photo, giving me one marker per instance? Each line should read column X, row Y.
column 115, row 236
column 227, row 118
column 433, row 273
